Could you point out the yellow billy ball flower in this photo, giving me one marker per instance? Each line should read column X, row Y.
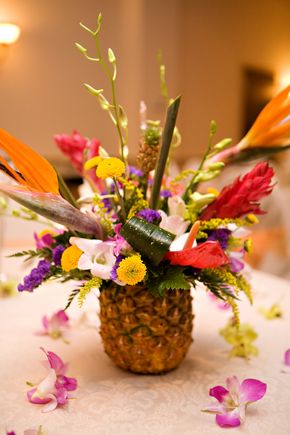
column 47, row 231
column 131, row 270
column 70, row 258
column 252, row 219
column 92, row 163
column 111, row 167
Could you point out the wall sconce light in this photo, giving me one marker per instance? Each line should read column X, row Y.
column 9, row 33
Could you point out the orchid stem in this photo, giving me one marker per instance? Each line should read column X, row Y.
column 121, row 202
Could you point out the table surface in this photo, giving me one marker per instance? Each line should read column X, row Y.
column 110, row 401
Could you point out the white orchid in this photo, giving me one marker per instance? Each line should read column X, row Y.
column 98, row 256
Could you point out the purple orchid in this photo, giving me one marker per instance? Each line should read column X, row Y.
column 233, row 401
column 56, row 325
column 54, row 390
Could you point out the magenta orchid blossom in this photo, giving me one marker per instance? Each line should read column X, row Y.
column 233, row 401
column 55, row 326
column 55, row 389
column 286, row 368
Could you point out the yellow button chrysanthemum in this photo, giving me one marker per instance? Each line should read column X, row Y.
column 131, row 270
column 92, row 163
column 47, row 231
column 111, row 167
column 70, row 258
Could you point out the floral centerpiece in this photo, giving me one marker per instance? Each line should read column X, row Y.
column 140, row 236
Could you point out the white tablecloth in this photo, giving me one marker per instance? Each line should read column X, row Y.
column 110, row 401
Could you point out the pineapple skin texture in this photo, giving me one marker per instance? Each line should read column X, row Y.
column 142, row 333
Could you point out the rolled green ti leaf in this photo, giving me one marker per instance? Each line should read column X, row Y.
column 55, row 208
column 150, row 240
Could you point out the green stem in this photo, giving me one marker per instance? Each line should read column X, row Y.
column 65, row 191
column 114, row 98
column 121, row 202
column 192, row 186
column 171, row 116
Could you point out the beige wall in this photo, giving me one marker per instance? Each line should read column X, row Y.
column 205, row 44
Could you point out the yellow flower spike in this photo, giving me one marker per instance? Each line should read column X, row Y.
column 131, row 270
column 111, row 167
column 92, row 163
column 70, row 258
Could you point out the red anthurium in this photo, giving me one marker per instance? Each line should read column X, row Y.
column 205, row 255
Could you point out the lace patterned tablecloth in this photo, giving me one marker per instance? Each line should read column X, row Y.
column 110, row 401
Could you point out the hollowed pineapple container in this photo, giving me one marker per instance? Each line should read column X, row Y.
column 142, row 333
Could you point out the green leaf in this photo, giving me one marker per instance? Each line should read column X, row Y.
column 170, row 278
column 71, row 297
column 148, row 239
column 167, row 135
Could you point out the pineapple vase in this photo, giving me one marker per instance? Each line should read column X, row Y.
column 142, row 333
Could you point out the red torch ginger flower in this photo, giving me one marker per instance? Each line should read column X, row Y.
column 74, row 148
column 243, row 195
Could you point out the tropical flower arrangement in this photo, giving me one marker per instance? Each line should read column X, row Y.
column 138, row 235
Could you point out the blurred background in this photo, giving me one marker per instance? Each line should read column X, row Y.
column 227, row 59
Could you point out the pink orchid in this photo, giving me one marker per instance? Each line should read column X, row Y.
column 54, row 390
column 286, row 368
column 56, row 325
column 233, row 401
column 219, row 303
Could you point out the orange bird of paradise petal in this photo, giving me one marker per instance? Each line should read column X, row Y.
column 35, row 171
column 270, row 132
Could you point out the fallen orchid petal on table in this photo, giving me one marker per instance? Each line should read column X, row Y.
column 233, row 401
column 55, row 326
column 38, row 431
column 286, row 367
column 274, row 312
column 241, row 337
column 54, row 389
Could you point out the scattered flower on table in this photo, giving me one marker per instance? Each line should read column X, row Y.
column 38, row 431
column 55, row 389
column 286, row 367
column 274, row 312
column 241, row 338
column 233, row 401
column 56, row 326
